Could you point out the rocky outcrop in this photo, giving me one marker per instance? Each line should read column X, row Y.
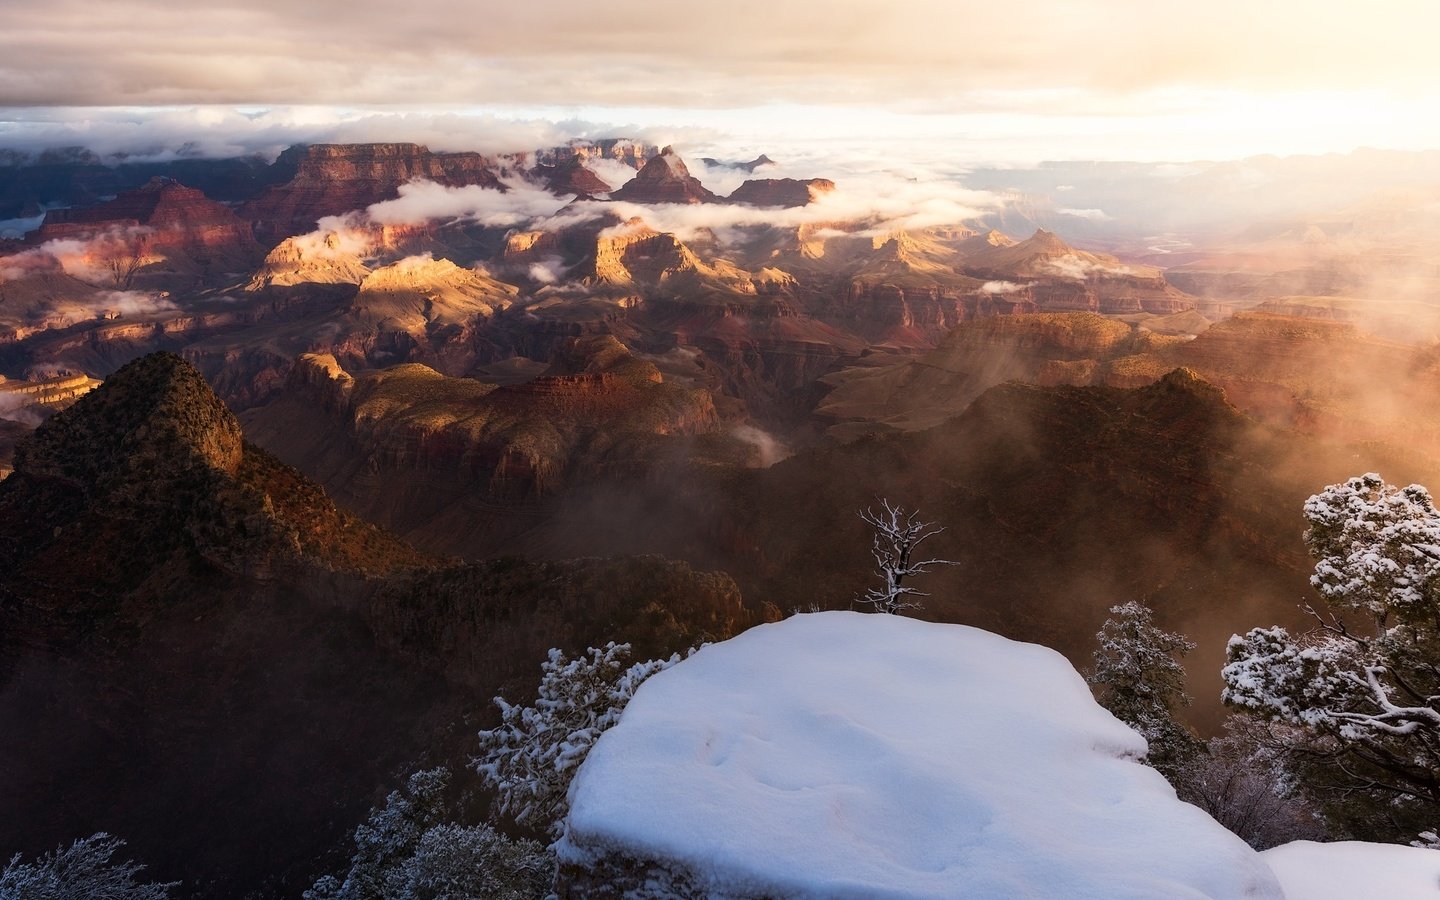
column 665, row 179
column 570, row 177
column 758, row 162
column 634, row 257
column 781, row 192
column 187, row 624
column 1040, row 348
column 328, row 258
column 420, row 293
column 50, row 393
column 1322, row 377
column 624, row 150
column 333, row 179
column 1064, row 279
column 507, row 442
column 162, row 219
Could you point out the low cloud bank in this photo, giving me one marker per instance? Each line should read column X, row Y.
column 878, row 200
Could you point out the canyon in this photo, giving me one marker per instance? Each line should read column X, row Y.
column 374, row 426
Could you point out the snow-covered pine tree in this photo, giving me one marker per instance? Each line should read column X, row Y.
column 408, row 851
column 531, row 757
column 82, row 871
column 898, row 534
column 1363, row 685
column 1138, row 677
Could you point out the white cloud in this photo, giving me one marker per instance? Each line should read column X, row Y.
column 1095, row 215
column 547, row 270
column 14, row 228
column 423, row 201
column 926, row 53
column 85, row 259
column 613, row 172
column 1078, row 269
column 16, row 408
column 130, row 303
column 878, row 200
column 1001, row 287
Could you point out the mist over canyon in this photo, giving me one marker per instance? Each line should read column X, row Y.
column 308, row 452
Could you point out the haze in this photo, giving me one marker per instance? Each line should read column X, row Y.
column 982, row 82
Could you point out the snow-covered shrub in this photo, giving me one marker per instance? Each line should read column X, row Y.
column 407, row 851
column 1428, row 840
column 531, row 757
column 1365, row 693
column 82, row 871
column 471, row 861
column 1242, row 781
column 1137, row 676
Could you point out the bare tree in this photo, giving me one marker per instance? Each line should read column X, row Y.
column 898, row 534
column 125, row 263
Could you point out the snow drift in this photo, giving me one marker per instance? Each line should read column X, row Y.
column 1355, row 870
column 847, row 755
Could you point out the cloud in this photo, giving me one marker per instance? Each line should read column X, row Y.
column 158, row 134
column 14, row 228
column 17, row 408
column 425, row 201
column 1078, row 269
column 768, row 450
column 547, row 270
column 85, row 259
column 1094, row 215
column 337, row 237
column 876, row 200
column 1001, row 287
column 927, row 53
column 130, row 303
column 613, row 172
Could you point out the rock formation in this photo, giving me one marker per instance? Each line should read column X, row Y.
column 310, row 259
column 665, row 179
column 187, row 625
column 632, row 153
column 784, row 192
column 420, row 293
column 758, row 162
column 333, row 179
column 1062, row 278
column 160, row 222
column 586, row 415
column 571, row 177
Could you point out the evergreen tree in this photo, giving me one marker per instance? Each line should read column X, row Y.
column 82, row 871
column 408, row 851
column 1362, row 688
column 1137, row 676
column 531, row 757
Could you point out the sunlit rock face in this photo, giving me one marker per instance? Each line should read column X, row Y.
column 162, row 226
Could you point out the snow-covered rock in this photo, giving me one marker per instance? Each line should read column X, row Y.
column 1355, row 870
column 847, row 755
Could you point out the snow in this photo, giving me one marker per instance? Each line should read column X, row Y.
column 858, row 755
column 1354, row 870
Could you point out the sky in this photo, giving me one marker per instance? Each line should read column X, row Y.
column 990, row 82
